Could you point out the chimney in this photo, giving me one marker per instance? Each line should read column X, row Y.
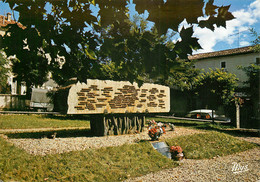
column 9, row 16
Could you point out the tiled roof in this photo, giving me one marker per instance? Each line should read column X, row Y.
column 4, row 22
column 228, row 52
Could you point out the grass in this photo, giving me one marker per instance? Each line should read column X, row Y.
column 111, row 163
column 105, row 164
column 59, row 134
column 209, row 126
column 193, row 124
column 209, row 145
column 45, row 121
column 41, row 121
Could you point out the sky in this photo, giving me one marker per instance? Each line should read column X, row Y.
column 236, row 34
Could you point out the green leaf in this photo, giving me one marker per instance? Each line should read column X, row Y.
column 91, row 54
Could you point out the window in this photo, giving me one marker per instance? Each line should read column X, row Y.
column 257, row 61
column 223, row 65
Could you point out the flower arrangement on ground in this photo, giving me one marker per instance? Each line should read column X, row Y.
column 176, row 152
column 155, row 130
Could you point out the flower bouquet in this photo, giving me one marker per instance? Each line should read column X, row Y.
column 155, row 130
column 154, row 133
column 176, row 152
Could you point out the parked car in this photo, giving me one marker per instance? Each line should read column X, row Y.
column 207, row 114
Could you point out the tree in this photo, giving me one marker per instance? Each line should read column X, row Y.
column 215, row 88
column 140, row 54
column 252, row 85
column 184, row 76
column 71, row 29
column 255, row 42
column 4, row 69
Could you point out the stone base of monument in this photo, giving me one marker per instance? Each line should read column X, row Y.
column 116, row 124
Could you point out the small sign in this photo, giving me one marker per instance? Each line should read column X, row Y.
column 241, row 94
column 163, row 148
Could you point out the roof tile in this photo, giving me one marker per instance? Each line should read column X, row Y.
column 227, row 52
column 4, row 22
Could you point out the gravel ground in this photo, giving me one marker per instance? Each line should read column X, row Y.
column 60, row 145
column 244, row 166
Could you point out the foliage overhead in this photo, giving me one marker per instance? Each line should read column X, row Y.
column 88, row 33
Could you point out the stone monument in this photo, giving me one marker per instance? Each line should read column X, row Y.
column 116, row 107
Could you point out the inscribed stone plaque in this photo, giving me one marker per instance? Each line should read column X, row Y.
column 106, row 96
column 163, row 148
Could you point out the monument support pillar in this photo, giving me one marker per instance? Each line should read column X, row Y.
column 116, row 124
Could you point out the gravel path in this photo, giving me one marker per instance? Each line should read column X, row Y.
column 255, row 140
column 244, row 166
column 60, row 145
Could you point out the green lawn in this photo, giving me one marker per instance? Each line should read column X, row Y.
column 193, row 124
column 45, row 121
column 40, row 121
column 105, row 164
column 111, row 163
column 210, row 144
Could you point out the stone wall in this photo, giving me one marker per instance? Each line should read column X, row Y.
column 13, row 102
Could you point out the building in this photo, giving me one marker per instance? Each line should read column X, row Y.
column 15, row 88
column 229, row 60
column 14, row 93
column 6, row 20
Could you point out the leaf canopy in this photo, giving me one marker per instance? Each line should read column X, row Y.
column 90, row 33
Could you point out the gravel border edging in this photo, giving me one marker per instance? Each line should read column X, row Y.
column 46, row 146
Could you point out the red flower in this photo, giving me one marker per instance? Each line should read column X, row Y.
column 163, row 130
column 152, row 132
column 177, row 149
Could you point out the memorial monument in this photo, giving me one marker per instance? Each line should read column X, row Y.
column 115, row 107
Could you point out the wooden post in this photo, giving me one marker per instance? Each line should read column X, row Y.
column 213, row 120
column 237, row 115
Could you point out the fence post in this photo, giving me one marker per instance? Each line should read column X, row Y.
column 213, row 120
column 237, row 115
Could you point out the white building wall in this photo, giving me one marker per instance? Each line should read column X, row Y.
column 232, row 63
column 2, row 32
